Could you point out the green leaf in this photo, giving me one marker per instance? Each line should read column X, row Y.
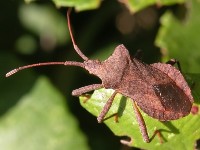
column 176, row 134
column 179, row 38
column 26, row 44
column 137, row 5
column 133, row 5
column 46, row 22
column 194, row 82
column 78, row 4
column 40, row 121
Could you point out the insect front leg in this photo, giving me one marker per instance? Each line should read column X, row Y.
column 142, row 125
column 86, row 89
column 173, row 62
column 106, row 108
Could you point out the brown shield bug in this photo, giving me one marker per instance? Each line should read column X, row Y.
column 160, row 90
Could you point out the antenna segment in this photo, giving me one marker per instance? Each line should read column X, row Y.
column 67, row 63
column 72, row 38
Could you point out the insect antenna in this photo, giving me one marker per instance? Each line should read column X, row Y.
column 72, row 38
column 66, row 63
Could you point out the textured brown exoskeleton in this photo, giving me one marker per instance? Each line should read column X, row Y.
column 160, row 90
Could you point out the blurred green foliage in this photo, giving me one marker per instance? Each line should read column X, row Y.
column 185, row 34
column 40, row 120
column 40, row 110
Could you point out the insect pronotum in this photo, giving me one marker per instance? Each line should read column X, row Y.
column 159, row 89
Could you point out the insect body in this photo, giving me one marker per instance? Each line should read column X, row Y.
column 160, row 90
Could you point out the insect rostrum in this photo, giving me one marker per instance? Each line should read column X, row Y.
column 160, row 90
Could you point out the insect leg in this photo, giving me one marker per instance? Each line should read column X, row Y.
column 106, row 108
column 142, row 125
column 85, row 89
column 173, row 62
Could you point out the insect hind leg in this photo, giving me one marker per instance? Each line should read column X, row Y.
column 141, row 123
